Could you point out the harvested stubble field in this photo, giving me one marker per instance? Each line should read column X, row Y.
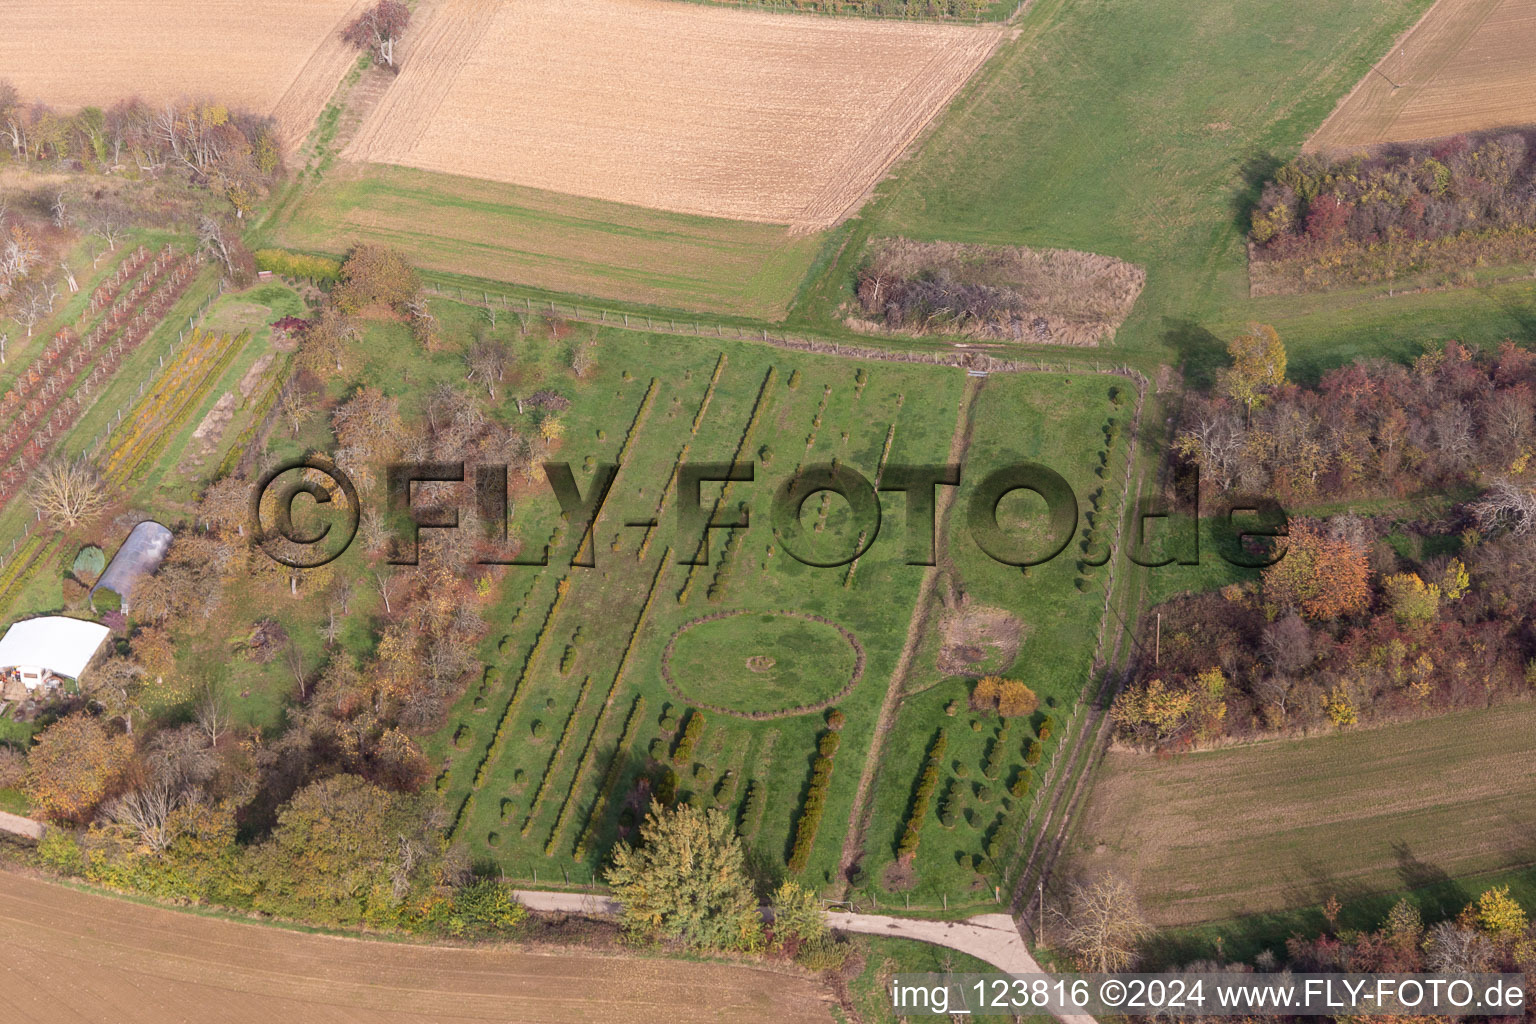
column 1465, row 67
column 1285, row 824
column 680, row 107
column 71, row 953
column 280, row 57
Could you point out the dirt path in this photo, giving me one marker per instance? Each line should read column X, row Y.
column 68, row 956
column 858, row 818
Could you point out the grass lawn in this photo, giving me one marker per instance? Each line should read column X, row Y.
column 764, row 662
column 1283, row 824
column 554, row 242
column 1060, row 422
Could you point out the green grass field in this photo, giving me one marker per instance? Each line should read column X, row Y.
column 1282, row 824
column 570, row 649
column 764, row 662
column 1142, row 131
column 554, row 242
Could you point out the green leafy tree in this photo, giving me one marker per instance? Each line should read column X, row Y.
column 343, row 851
column 1258, row 365
column 797, row 915
column 687, row 880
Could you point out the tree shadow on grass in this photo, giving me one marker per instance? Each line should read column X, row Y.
column 1256, row 170
column 1201, row 353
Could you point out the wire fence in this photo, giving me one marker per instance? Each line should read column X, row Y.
column 977, row 360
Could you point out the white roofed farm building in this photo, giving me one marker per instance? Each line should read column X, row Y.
column 42, row 653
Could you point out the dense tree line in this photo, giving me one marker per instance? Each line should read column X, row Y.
column 1434, row 206
column 1364, row 616
column 233, row 151
column 1454, row 418
column 1419, row 192
column 1492, row 933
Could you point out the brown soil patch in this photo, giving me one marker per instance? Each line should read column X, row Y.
column 1466, row 66
column 760, row 663
column 977, row 640
column 279, row 57
column 1287, row 823
column 78, row 956
column 253, row 375
column 683, row 107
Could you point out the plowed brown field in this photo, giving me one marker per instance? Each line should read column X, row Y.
column 762, row 117
column 1469, row 65
column 283, row 57
column 69, row 956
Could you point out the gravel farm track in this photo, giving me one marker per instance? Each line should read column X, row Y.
column 788, row 120
column 68, row 956
column 1466, row 66
column 278, row 57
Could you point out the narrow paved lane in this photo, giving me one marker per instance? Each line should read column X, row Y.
column 993, row 938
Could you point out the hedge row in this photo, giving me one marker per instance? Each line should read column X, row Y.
column 634, row 424
column 729, row 557
column 997, row 756
column 811, row 811
column 258, row 421
column 610, row 779
column 554, row 758
column 709, row 393
column 926, row 784
column 493, row 750
column 320, row 269
column 746, row 440
column 602, row 716
column 682, row 754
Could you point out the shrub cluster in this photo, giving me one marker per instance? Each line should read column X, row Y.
column 682, row 754
column 1008, row 697
column 926, row 784
column 319, row 269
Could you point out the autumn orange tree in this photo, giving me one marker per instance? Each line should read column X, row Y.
column 1320, row 576
column 75, row 765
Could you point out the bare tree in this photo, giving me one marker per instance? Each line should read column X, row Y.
column 384, row 583
column 378, row 29
column 68, row 493
column 1104, row 925
column 1451, row 949
column 487, row 361
column 33, row 308
column 215, row 241
column 144, row 814
column 1506, row 505
column 294, row 658
column 212, row 714
column 110, row 227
